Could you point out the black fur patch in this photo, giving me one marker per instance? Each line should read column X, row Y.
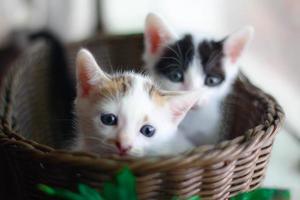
column 211, row 54
column 180, row 54
column 176, row 56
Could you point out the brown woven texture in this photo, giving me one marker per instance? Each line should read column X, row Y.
column 218, row 172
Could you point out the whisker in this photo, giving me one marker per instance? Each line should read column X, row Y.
column 178, row 57
column 110, row 64
column 172, row 65
column 94, row 138
column 213, row 57
column 172, row 58
column 105, row 60
column 99, row 140
column 180, row 52
column 108, row 60
column 187, row 52
column 176, row 53
column 100, row 145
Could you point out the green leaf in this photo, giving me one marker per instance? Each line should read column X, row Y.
column 62, row 193
column 196, row 197
column 89, row 193
column 264, row 194
column 46, row 189
column 126, row 184
column 110, row 191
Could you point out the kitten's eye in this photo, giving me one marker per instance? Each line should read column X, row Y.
column 148, row 130
column 213, row 80
column 176, row 76
column 109, row 119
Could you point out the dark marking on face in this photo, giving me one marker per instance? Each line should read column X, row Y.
column 176, row 58
column 211, row 55
column 117, row 86
column 149, row 87
column 124, row 83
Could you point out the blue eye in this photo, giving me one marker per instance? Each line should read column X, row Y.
column 109, row 119
column 148, row 130
column 211, row 80
column 176, row 76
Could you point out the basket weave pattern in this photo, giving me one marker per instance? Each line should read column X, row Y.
column 213, row 171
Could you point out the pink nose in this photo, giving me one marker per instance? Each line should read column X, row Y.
column 122, row 149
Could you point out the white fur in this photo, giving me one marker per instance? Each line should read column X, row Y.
column 131, row 110
column 201, row 125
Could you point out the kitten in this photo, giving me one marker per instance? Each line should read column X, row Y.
column 189, row 62
column 126, row 113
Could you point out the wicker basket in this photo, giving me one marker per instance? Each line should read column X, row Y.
column 213, row 172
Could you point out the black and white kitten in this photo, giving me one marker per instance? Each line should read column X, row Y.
column 190, row 62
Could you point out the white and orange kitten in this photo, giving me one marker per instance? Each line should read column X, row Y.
column 126, row 114
column 191, row 62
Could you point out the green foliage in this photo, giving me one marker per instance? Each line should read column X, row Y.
column 85, row 193
column 264, row 194
column 124, row 188
column 190, row 198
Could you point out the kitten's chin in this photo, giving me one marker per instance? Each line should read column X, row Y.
column 136, row 153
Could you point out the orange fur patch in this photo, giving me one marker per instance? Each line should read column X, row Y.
column 117, row 86
column 155, row 94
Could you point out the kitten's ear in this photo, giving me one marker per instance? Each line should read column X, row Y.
column 156, row 35
column 235, row 44
column 88, row 73
column 180, row 103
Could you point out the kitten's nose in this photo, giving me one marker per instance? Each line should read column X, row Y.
column 122, row 149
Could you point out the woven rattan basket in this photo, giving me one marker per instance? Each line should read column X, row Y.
column 214, row 172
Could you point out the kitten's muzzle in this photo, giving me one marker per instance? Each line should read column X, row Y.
column 122, row 150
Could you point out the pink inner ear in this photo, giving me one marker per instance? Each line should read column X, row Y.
column 85, row 86
column 155, row 40
column 235, row 50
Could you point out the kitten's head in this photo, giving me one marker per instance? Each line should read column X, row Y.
column 193, row 63
column 125, row 113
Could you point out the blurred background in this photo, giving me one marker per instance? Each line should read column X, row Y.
column 272, row 62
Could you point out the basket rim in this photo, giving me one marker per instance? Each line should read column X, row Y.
column 228, row 150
